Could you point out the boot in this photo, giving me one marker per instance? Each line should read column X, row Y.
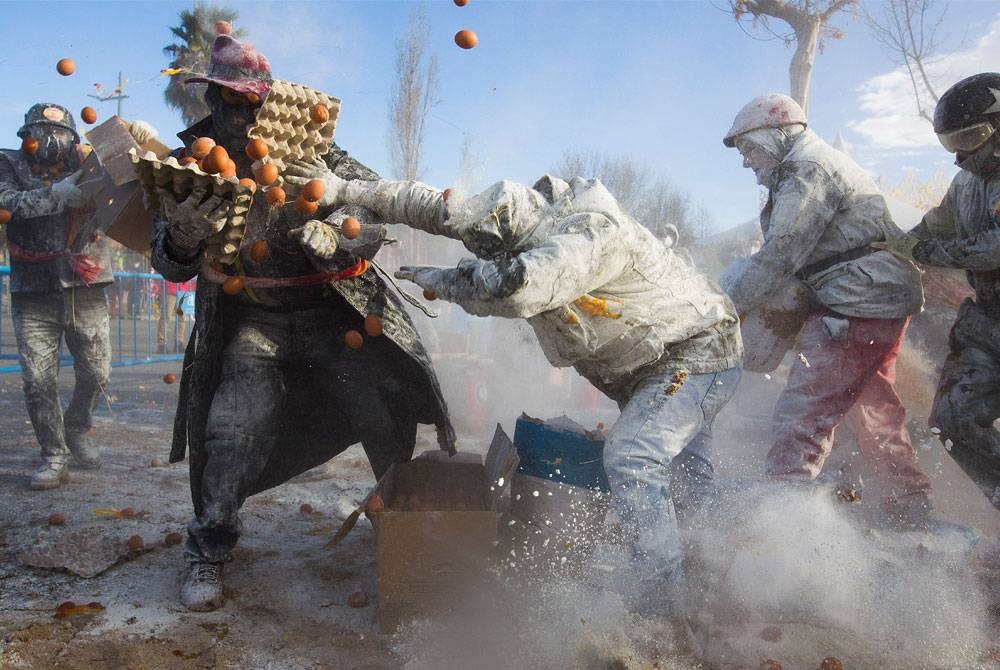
column 85, row 454
column 50, row 475
column 202, row 590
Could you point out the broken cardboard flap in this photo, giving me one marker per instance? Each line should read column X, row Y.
column 438, row 533
column 562, row 450
column 120, row 211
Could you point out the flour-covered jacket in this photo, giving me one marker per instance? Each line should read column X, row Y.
column 47, row 240
column 601, row 292
column 966, row 234
column 822, row 213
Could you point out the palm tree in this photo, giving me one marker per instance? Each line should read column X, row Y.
column 197, row 33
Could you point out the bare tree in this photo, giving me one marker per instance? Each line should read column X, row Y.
column 653, row 200
column 196, row 33
column 412, row 97
column 908, row 30
column 809, row 21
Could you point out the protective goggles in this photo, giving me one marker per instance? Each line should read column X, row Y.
column 966, row 140
column 231, row 97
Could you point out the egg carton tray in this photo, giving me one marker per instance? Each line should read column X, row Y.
column 283, row 122
column 181, row 180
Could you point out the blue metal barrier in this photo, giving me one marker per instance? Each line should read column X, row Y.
column 145, row 327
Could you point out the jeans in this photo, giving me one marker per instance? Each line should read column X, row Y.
column 40, row 321
column 658, row 460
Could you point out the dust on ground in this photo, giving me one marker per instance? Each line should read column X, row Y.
column 287, row 594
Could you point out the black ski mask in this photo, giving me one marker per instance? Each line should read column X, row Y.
column 230, row 118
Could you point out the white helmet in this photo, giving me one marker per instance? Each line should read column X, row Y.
column 768, row 111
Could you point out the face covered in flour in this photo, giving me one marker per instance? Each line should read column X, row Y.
column 764, row 149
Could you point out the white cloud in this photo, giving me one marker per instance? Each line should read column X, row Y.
column 892, row 121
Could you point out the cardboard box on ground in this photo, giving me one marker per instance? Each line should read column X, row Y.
column 120, row 211
column 450, row 522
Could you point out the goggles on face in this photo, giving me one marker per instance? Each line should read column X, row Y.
column 231, row 97
column 967, row 140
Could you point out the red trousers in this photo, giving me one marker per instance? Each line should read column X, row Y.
column 830, row 378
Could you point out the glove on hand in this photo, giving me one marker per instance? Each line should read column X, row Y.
column 298, row 173
column 192, row 221
column 318, row 239
column 141, row 131
column 438, row 280
column 901, row 246
column 67, row 193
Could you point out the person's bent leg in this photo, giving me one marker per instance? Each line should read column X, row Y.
column 660, row 419
column 239, row 438
column 88, row 339
column 831, row 369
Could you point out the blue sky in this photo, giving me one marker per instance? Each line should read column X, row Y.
column 659, row 82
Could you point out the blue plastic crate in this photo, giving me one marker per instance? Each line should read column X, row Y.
column 560, row 454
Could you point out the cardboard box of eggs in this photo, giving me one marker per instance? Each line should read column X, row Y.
column 181, row 180
column 296, row 122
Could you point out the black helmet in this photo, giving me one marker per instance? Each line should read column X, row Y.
column 50, row 114
column 968, row 113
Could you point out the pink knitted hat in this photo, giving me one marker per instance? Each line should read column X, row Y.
column 237, row 66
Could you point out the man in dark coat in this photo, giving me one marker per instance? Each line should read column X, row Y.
column 58, row 276
column 270, row 388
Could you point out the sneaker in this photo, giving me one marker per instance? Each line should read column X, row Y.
column 85, row 454
column 50, row 475
column 202, row 590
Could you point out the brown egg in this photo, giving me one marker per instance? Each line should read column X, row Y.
column 217, row 160
column 65, row 67
column 266, row 174
column 319, row 114
column 350, row 228
column 259, row 251
column 229, row 170
column 29, row 145
column 173, row 539
column 201, row 146
column 305, row 508
column 374, row 505
column 831, row 663
column 353, row 339
column 275, row 196
column 188, row 160
column 306, row 207
column 256, row 149
column 5, row 217
column 249, row 183
column 56, row 519
column 156, row 462
column 466, row 39
column 169, row 378
column 357, row 599
column 430, row 294
column 461, row 3
column 373, row 325
column 135, row 543
column 232, row 286
column 88, row 115
column 313, row 190
column 223, row 28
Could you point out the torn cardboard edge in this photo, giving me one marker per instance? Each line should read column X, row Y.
column 120, row 211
